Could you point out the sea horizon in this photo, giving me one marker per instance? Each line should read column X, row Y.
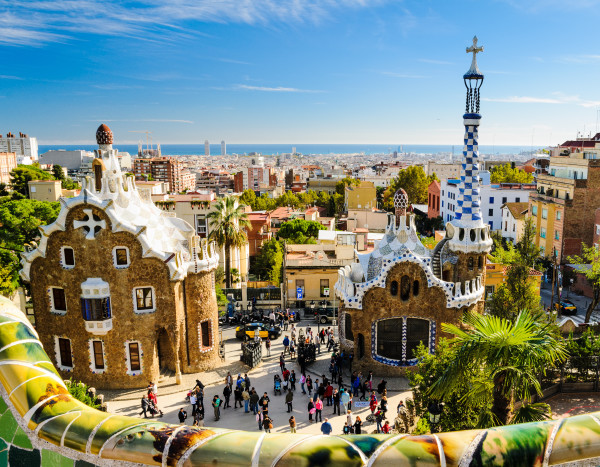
column 305, row 149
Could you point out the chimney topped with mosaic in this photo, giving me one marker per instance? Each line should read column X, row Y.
column 467, row 232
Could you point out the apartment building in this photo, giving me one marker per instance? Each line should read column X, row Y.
column 162, row 169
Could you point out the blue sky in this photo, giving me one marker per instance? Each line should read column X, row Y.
column 297, row 71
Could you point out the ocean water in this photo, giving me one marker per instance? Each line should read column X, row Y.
column 315, row 149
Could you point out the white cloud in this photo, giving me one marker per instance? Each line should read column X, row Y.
column 246, row 87
column 36, row 22
column 11, row 77
column 559, row 99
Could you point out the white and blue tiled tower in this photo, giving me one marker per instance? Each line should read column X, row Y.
column 467, row 232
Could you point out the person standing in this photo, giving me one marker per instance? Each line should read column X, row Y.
column 326, row 428
column 229, row 379
column 349, row 419
column 344, row 400
column 237, row 396
column 247, row 380
column 226, row 395
column 268, row 346
column 272, row 318
column 302, row 382
column 309, row 385
column 311, row 409
column 289, row 397
column 259, row 419
column 318, row 410
column 264, row 403
column 293, row 380
column 193, row 402
column 357, row 425
column 182, row 415
column 373, row 402
column 216, row 403
column 328, row 395
column 267, row 423
column 336, row 402
column 370, row 381
column 246, row 399
column 292, row 424
column 317, row 341
column 198, row 418
column 254, row 401
column 281, row 362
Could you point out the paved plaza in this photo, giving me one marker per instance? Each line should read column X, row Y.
column 171, row 397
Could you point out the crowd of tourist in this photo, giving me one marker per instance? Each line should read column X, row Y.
column 324, row 392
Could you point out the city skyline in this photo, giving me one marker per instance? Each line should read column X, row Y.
column 345, row 71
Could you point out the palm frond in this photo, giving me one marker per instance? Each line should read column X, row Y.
column 536, row 412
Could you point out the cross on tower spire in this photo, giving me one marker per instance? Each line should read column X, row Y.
column 475, row 50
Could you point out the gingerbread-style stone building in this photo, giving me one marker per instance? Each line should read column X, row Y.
column 398, row 295
column 121, row 290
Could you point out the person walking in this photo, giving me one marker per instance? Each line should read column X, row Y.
column 384, row 406
column 326, row 427
column 379, row 420
column 264, row 403
column 293, row 380
column 292, row 424
column 229, row 379
column 268, row 346
column 302, row 382
column 311, row 410
column 356, row 385
column 216, row 403
column 259, row 419
column 145, row 406
column 318, row 410
column 281, row 362
column 373, row 402
column 309, row 385
column 193, row 401
column 357, row 425
column 289, row 397
column 182, row 414
column 286, row 344
column 370, row 381
column 226, row 395
column 246, row 399
column 328, row 395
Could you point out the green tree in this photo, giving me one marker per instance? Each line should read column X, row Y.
column 461, row 411
column 20, row 220
column 414, row 181
column 589, row 262
column 21, row 175
column 269, row 261
column 511, row 356
column 506, row 174
column 248, row 197
column 340, row 187
column 380, row 190
column 526, row 247
column 300, row 231
column 518, row 292
column 229, row 223
column 65, row 182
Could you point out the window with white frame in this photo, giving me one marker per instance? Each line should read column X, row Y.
column 133, row 354
column 67, row 257
column 64, row 353
column 143, row 299
column 121, row 257
column 201, row 226
column 97, row 359
column 58, row 300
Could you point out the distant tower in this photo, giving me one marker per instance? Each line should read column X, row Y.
column 466, row 232
column 206, row 148
column 223, row 148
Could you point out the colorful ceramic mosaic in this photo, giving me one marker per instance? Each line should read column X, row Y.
column 41, row 424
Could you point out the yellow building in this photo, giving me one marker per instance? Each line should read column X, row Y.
column 45, row 190
column 311, row 271
column 495, row 275
column 363, row 196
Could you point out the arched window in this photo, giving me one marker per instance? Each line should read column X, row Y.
column 417, row 331
column 470, row 263
column 405, row 288
column 389, row 338
column 480, row 262
column 415, row 288
column 394, row 288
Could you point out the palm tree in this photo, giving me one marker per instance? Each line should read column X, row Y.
column 228, row 224
column 511, row 356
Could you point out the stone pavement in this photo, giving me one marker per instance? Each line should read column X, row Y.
column 569, row 405
column 171, row 397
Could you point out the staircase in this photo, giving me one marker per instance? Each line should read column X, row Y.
column 436, row 260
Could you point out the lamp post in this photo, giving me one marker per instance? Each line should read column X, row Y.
column 435, row 409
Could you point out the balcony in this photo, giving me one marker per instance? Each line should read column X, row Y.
column 99, row 328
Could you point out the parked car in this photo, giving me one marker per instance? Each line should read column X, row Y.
column 246, row 331
column 324, row 316
column 565, row 307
